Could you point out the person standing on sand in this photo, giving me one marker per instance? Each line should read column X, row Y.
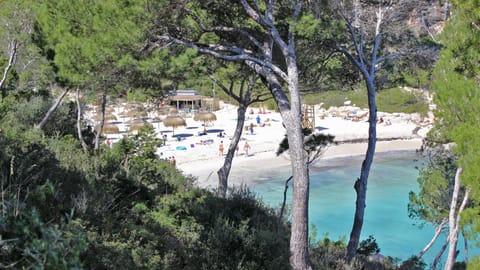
column 220, row 149
column 251, row 128
column 246, row 147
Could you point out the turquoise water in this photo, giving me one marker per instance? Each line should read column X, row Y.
column 332, row 202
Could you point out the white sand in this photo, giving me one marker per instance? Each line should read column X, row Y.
column 203, row 161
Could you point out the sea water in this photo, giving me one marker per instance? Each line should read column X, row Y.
column 332, row 202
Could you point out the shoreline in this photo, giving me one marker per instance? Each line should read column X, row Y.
column 244, row 169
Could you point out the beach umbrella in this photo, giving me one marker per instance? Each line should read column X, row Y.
column 138, row 126
column 109, row 110
column 136, row 113
column 108, row 117
column 158, row 119
column 134, row 105
column 174, row 121
column 109, row 129
column 134, row 121
column 172, row 111
column 205, row 117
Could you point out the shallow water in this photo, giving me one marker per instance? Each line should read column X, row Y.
column 332, row 201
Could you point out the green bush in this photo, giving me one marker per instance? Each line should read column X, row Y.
column 368, row 246
column 388, row 100
column 29, row 243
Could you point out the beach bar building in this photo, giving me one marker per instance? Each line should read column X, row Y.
column 186, row 100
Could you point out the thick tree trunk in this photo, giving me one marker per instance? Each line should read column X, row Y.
column 102, row 121
column 362, row 182
column 11, row 61
column 291, row 116
column 438, row 231
column 224, row 171
column 52, row 109
column 79, row 122
column 293, row 124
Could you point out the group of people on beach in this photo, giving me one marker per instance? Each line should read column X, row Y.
column 246, row 147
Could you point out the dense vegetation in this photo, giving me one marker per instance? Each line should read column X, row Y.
column 70, row 202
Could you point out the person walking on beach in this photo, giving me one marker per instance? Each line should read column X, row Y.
column 251, row 128
column 246, row 147
column 220, row 149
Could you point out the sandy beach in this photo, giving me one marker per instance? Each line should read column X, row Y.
column 199, row 156
column 403, row 132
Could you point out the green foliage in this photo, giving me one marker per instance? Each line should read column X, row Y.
column 328, row 254
column 87, row 40
column 388, row 100
column 30, row 243
column 473, row 263
column 437, row 175
column 313, row 143
column 413, row 263
column 23, row 115
column 457, row 96
column 420, row 79
column 368, row 246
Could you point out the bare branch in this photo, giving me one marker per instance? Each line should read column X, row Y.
column 358, row 47
column 236, row 54
column 11, row 60
column 260, row 98
column 256, row 16
column 79, row 120
column 227, row 90
column 52, row 109
column 226, row 29
column 391, row 55
column 296, row 12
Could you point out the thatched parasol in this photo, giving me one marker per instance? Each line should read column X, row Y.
column 135, row 121
column 138, row 126
column 134, row 105
column 136, row 113
column 108, row 117
column 109, row 129
column 205, row 117
column 109, row 110
column 174, row 121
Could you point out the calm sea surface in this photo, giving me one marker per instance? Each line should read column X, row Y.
column 332, row 201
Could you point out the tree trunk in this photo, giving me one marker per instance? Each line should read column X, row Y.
column 284, row 202
column 438, row 231
column 11, row 61
column 465, row 246
column 224, row 171
column 439, row 254
column 454, row 220
column 52, row 109
column 293, row 123
column 79, row 121
column 102, row 121
column 362, row 182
